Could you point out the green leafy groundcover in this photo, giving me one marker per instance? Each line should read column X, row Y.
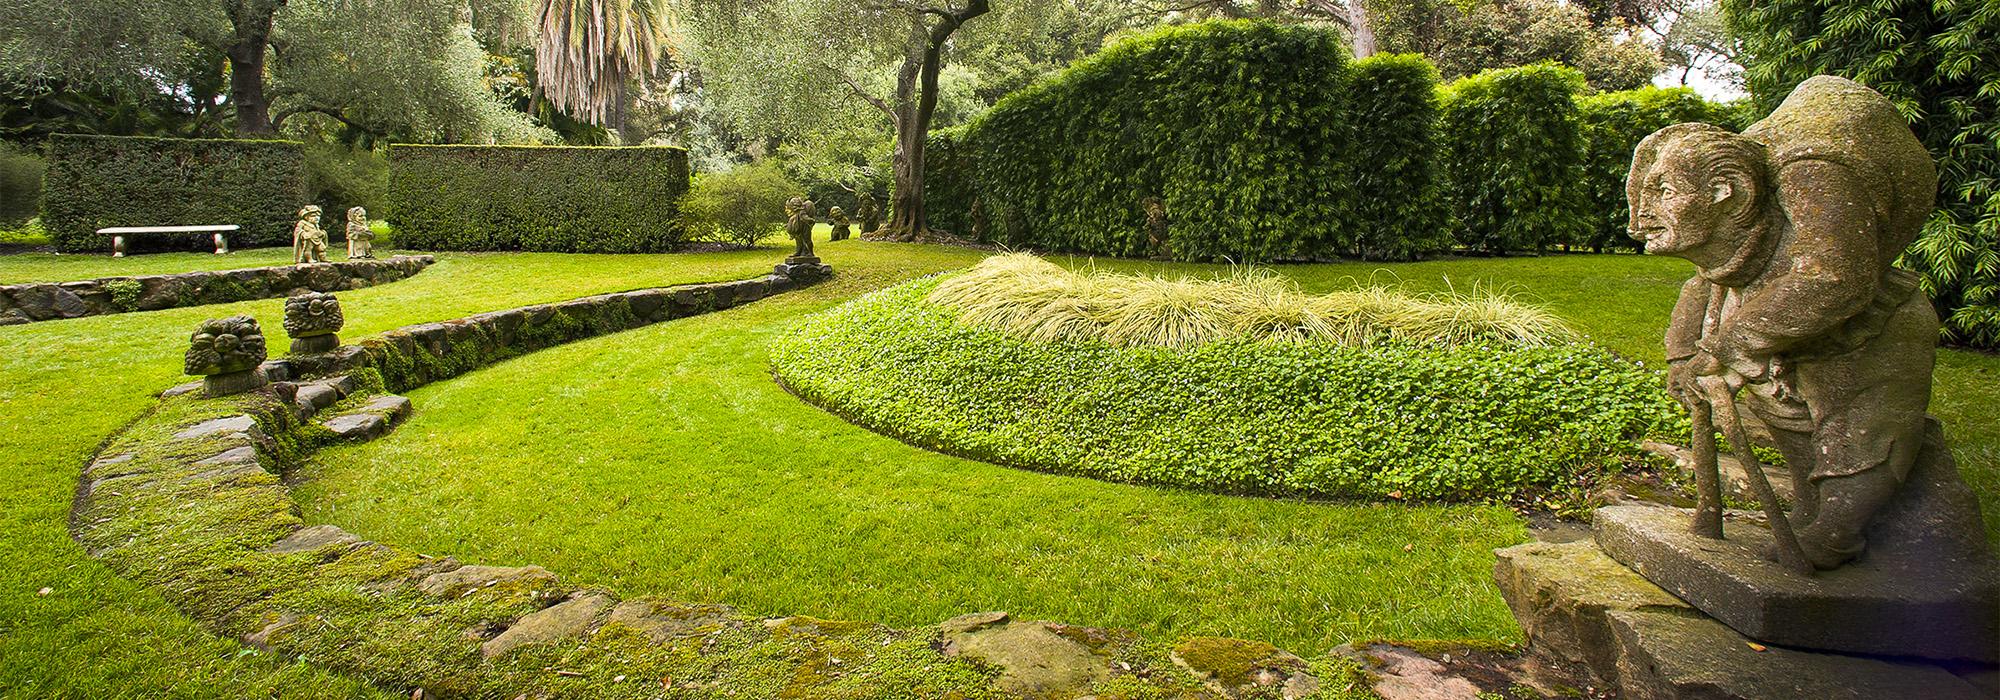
column 1382, row 421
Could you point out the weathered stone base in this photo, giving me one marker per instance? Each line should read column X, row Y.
column 1585, row 614
column 804, row 269
column 232, row 383
column 1945, row 611
column 313, row 344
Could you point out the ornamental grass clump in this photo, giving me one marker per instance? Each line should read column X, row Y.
column 1040, row 301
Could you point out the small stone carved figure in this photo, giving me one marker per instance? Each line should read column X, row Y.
column 1156, row 227
column 1795, row 314
column 360, row 238
column 308, row 239
column 799, row 225
column 981, row 226
column 312, row 320
column 226, row 353
column 840, row 223
column 869, row 213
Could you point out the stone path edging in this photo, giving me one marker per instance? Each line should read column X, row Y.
column 49, row 301
column 190, row 500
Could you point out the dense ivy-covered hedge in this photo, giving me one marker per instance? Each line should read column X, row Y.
column 1398, row 213
column 1514, row 155
column 1240, row 130
column 537, row 198
column 1613, row 125
column 96, row 182
column 1380, row 421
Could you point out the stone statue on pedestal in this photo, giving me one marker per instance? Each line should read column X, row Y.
column 1796, row 326
column 226, row 353
column 802, row 265
column 308, row 239
column 312, row 320
column 360, row 238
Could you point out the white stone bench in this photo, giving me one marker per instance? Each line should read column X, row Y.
column 118, row 234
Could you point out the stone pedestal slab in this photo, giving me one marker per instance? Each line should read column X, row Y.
column 803, row 269
column 1946, row 611
column 1561, row 593
column 1664, row 656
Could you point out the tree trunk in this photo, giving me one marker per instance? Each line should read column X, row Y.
column 919, row 78
column 251, row 20
column 1357, row 25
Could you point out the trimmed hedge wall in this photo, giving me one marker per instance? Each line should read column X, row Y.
column 96, row 182
column 1613, row 125
column 1265, row 142
column 1239, row 129
column 1514, row 158
column 537, row 198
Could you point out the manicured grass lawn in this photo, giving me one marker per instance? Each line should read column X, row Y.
column 664, row 460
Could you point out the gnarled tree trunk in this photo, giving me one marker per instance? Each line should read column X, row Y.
column 916, row 102
column 251, row 21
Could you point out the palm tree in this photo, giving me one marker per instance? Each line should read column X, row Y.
column 591, row 50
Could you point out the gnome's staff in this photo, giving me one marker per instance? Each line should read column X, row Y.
column 1718, row 398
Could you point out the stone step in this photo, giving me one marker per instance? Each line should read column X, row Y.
column 370, row 420
column 309, row 398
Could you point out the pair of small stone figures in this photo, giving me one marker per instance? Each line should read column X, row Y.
column 309, row 240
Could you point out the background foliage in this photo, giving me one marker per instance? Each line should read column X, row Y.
column 95, row 182
column 1398, row 213
column 1939, row 62
column 537, row 198
column 743, row 205
column 20, row 184
column 1513, row 164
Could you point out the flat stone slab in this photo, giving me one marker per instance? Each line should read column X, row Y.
column 1664, row 656
column 1034, row 661
column 308, row 539
column 1944, row 612
column 219, row 426
column 1560, row 594
column 569, row 618
column 457, row 582
column 371, row 420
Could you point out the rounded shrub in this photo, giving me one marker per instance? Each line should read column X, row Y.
column 743, row 205
column 1384, row 417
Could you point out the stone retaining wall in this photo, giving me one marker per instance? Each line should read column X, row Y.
column 46, row 301
column 413, row 356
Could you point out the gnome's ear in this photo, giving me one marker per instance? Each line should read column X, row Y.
column 1720, row 189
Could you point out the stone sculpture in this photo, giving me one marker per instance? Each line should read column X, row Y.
column 869, row 212
column 802, row 264
column 308, row 239
column 1156, row 227
column 360, row 238
column 840, row 223
column 1797, row 327
column 226, row 352
column 312, row 320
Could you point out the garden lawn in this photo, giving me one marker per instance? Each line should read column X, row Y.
column 65, row 386
column 663, row 460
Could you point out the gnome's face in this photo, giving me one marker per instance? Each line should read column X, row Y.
column 1682, row 210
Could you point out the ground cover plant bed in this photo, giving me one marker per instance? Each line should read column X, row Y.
column 1244, row 385
column 665, row 462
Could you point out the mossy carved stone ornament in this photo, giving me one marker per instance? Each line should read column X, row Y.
column 226, row 352
column 312, row 320
column 1798, row 324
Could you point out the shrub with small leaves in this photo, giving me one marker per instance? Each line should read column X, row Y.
column 1383, row 421
column 743, row 206
column 1514, row 159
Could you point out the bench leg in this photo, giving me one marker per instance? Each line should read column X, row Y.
column 221, row 244
column 117, row 246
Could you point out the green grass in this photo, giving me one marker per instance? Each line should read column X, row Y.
column 791, row 510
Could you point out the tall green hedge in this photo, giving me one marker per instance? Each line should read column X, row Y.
column 1613, row 125
column 1514, row 158
column 20, row 184
column 1937, row 61
column 1398, row 213
column 537, row 198
column 1240, row 129
column 95, row 182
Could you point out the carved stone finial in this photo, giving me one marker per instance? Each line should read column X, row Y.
column 226, row 353
column 312, row 320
